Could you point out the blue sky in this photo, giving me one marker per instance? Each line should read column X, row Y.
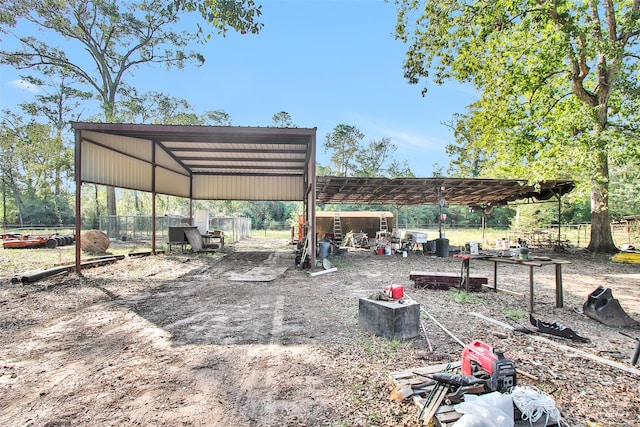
column 325, row 62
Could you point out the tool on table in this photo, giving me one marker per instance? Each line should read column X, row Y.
column 482, row 360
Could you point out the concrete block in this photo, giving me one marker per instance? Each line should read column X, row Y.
column 389, row 319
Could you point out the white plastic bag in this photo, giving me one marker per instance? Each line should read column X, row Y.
column 487, row 410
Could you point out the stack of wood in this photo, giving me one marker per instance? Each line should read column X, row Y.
column 428, row 395
column 445, row 281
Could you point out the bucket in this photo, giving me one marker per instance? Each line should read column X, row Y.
column 388, row 250
column 324, row 249
column 380, row 251
column 404, row 254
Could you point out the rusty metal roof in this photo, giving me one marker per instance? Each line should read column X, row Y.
column 416, row 191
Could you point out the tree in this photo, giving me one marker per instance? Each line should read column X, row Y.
column 29, row 156
column 59, row 104
column 107, row 39
column 157, row 107
column 283, row 120
column 370, row 160
column 558, row 83
column 344, row 141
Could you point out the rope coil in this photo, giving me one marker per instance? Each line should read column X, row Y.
column 535, row 404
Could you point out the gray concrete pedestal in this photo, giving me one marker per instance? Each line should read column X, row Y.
column 389, row 319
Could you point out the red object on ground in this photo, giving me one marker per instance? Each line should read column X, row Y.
column 479, row 357
column 18, row 241
column 394, row 291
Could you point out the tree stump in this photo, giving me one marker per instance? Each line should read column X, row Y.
column 95, row 241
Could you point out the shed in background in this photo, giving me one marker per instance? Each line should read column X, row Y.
column 369, row 222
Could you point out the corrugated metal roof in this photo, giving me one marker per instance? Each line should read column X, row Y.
column 218, row 162
column 418, row 191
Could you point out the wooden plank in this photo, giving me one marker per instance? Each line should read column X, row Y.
column 505, row 291
column 447, row 414
column 429, row 411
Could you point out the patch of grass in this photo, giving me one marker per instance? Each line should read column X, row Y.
column 514, row 314
column 341, row 262
column 367, row 346
column 376, row 346
column 464, row 297
column 375, row 417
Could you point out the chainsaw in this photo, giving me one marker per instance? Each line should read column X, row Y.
column 482, row 361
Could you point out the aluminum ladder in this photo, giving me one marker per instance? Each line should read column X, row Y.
column 337, row 227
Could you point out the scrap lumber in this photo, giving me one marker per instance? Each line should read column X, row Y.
column 503, row 291
column 433, row 402
column 426, row 394
column 34, row 276
column 445, row 281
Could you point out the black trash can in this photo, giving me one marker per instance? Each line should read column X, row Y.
column 442, row 248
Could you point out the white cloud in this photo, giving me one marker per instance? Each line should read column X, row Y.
column 24, row 85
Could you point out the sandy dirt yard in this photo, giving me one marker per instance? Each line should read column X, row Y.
column 195, row 340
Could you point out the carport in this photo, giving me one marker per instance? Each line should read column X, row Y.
column 480, row 194
column 199, row 163
column 261, row 163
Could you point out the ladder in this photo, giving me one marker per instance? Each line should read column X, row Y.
column 383, row 222
column 337, row 227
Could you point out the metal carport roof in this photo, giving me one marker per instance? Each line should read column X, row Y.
column 198, row 162
column 415, row 191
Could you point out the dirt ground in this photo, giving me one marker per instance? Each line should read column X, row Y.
column 195, row 340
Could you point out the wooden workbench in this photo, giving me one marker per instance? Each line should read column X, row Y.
column 531, row 263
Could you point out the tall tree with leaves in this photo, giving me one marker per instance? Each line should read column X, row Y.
column 29, row 158
column 344, row 141
column 108, row 39
column 157, row 107
column 558, row 83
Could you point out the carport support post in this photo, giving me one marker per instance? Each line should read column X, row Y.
column 153, row 198
column 559, row 292
column 78, row 222
column 531, row 289
column 559, row 244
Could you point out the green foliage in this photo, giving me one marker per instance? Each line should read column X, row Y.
column 351, row 158
column 558, row 87
column 514, row 314
column 240, row 15
column 464, row 297
column 344, row 141
column 282, row 120
column 156, row 107
column 33, row 161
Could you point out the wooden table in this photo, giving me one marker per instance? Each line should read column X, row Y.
column 531, row 263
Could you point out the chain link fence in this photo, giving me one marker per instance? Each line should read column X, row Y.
column 139, row 227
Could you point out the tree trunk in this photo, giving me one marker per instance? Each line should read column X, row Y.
column 601, row 235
